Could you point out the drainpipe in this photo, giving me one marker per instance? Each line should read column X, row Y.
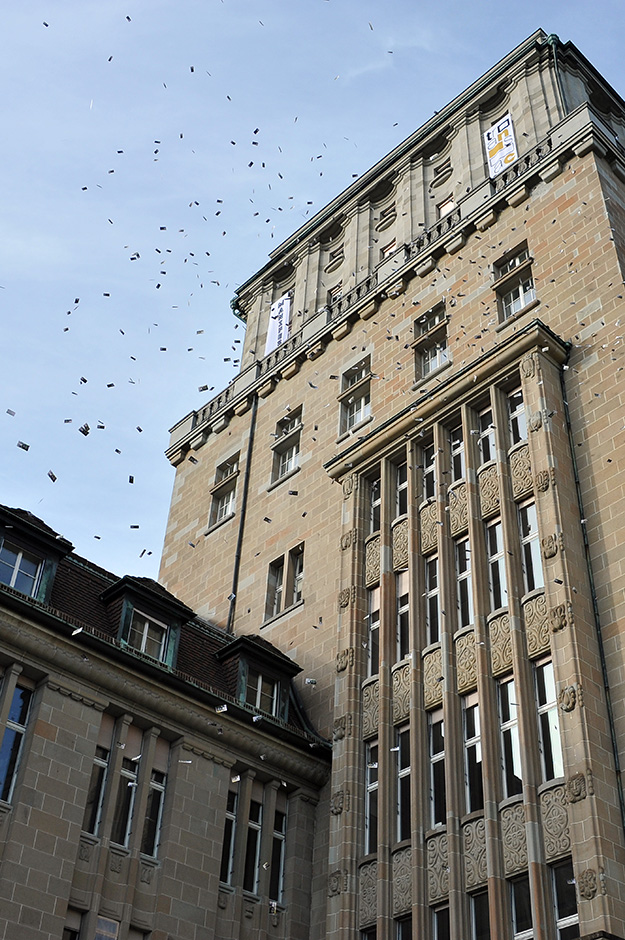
column 595, row 609
column 554, row 42
column 246, row 486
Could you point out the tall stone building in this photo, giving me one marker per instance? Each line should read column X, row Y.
column 414, row 488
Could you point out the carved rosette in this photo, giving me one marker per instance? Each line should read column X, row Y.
column 432, row 685
column 401, row 692
column 458, row 508
column 400, row 544
column 488, row 484
column 521, row 472
column 587, row 884
column 402, row 881
column 474, row 841
column 500, row 644
column 536, row 625
column 368, row 890
column 438, row 868
column 370, row 708
column 555, row 822
column 466, row 663
column 514, row 842
column 344, row 658
column 372, row 561
column 528, row 366
column 429, row 528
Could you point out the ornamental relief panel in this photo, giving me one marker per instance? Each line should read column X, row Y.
column 402, row 881
column 458, row 508
column 401, row 692
column 514, row 842
column 555, row 820
column 438, row 868
column 521, row 471
column 400, row 544
column 466, row 662
column 536, row 625
column 337, row 882
column 474, row 843
column 488, row 483
column 429, row 529
column 500, row 644
column 368, row 890
column 432, row 675
column 576, row 789
column 372, row 561
column 370, row 708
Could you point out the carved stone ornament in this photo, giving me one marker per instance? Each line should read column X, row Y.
column 474, row 841
column 535, row 422
column 555, row 820
column 402, row 881
column 400, row 545
column 115, row 862
column 488, row 484
column 372, row 561
column 466, row 663
column 544, row 479
column 567, row 698
column 429, row 529
column 348, row 486
column 342, row 727
column 458, row 509
column 222, row 900
column 514, row 842
column 549, row 546
column 521, row 471
column 147, row 874
column 438, row 868
column 401, row 692
column 587, row 884
column 368, row 893
column 432, row 675
column 340, row 801
column 337, row 882
column 344, row 658
column 558, row 619
column 370, row 708
column 84, row 851
column 345, row 596
column 528, row 367
column 536, row 625
column 576, row 788
column 500, row 644
column 348, row 539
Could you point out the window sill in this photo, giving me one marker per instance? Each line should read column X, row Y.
column 283, row 478
column 520, row 313
column 550, row 784
column 424, row 379
column 356, row 427
column 281, row 613
column 469, row 817
column 221, row 522
column 510, row 801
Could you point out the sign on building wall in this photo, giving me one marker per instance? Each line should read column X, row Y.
column 500, row 146
column 279, row 318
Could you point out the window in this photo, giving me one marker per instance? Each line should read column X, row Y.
column 388, row 250
column 497, row 584
column 261, row 692
column 440, row 924
column 438, row 801
column 514, row 283
column 403, row 929
column 567, row 920
column 106, row 929
column 335, row 293
column 125, row 802
column 286, row 447
column 373, row 638
column 19, row 569
column 12, row 740
column 432, row 608
column 402, row 582
column 510, row 749
column 227, row 848
column 285, row 591
column 224, row 490
column 296, row 559
column 147, row 636
column 252, row 847
column 95, row 794
column 516, row 417
column 402, row 750
column 473, row 754
column 456, row 441
column 464, row 583
column 276, row 878
column 153, row 813
column 445, row 207
column 521, row 909
column 70, row 934
column 480, row 919
column 429, row 472
column 375, row 504
column 530, row 548
column 355, row 397
column 486, row 436
column 430, row 342
column 275, row 586
column 371, row 799
column 401, row 489
column 548, row 722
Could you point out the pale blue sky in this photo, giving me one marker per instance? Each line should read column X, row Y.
column 118, row 125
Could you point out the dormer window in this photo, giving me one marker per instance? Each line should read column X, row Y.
column 19, row 569
column 147, row 636
column 262, row 692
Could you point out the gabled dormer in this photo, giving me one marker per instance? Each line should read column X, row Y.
column 148, row 618
column 29, row 553
column 261, row 674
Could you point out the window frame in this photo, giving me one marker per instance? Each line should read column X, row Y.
column 403, row 763
column 402, row 497
column 371, row 798
column 223, row 491
column 97, row 786
column 512, row 782
column 124, row 811
column 152, row 821
column 547, row 713
column 373, row 631
column 402, row 604
column 149, row 622
column 13, row 736
column 464, row 583
column 227, row 846
column 563, row 921
column 428, row 471
column 517, row 419
column 438, row 788
column 432, row 600
column 457, row 460
column 514, row 284
column 496, row 564
column 472, row 743
column 287, row 445
column 522, row 933
column 21, row 554
column 486, row 443
column 355, row 396
column 285, row 579
column 251, row 867
column 430, row 345
column 278, row 856
column 531, row 557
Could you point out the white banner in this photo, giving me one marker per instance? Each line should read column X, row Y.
column 500, row 146
column 279, row 319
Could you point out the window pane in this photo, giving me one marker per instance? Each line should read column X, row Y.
column 9, row 752
column 566, row 902
column 481, row 921
column 521, row 905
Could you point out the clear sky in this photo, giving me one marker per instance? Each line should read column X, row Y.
column 154, row 153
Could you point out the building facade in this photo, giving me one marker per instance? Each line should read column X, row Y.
column 413, row 487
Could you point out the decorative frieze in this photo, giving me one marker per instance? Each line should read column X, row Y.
column 536, row 625
column 344, row 658
column 400, row 544
column 555, row 819
column 458, row 509
column 514, row 841
column 521, row 471
column 488, row 484
column 368, row 893
column 370, row 708
column 438, row 868
column 500, row 644
column 432, row 679
column 429, row 529
column 372, row 561
column 474, row 842
column 402, row 881
column 466, row 662
column 401, row 692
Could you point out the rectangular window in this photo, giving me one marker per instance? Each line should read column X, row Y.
column 517, row 423
column 440, row 924
column 429, row 472
column 276, row 878
column 388, row 250
column 567, row 920
column 473, row 754
column 521, row 908
column 375, row 504
column 548, row 721
column 438, row 799
column 432, row 607
column 514, row 283
column 147, row 635
column 530, row 548
column 284, row 588
column 252, row 848
column 430, row 345
column 403, row 929
column 486, row 435
column 275, row 587
column 224, row 490
column 464, row 583
column 445, row 207
column 355, row 397
column 296, row 564
column 373, row 641
column 371, row 800
column 497, row 584
column 12, row 741
column 261, row 692
column 95, row 794
column 456, row 442
column 287, row 445
column 19, row 569
column 401, row 489
column 480, row 917
column 106, row 929
column 153, row 813
column 402, row 745
column 335, row 293
column 124, row 805
column 227, row 847
column 402, row 581
column 510, row 748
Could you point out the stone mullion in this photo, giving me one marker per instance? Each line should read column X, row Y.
column 240, row 833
